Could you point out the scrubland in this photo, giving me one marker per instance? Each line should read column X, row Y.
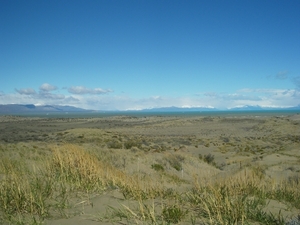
column 150, row 170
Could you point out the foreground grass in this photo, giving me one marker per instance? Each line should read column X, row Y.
column 31, row 193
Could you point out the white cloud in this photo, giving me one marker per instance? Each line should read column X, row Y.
column 38, row 99
column 258, row 90
column 26, row 91
column 47, row 87
column 80, row 96
column 48, row 95
column 81, row 90
column 275, row 97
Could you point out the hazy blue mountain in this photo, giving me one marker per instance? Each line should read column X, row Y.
column 19, row 108
column 178, row 109
column 203, row 109
column 30, row 108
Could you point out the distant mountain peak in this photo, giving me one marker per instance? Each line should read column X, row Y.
column 27, row 108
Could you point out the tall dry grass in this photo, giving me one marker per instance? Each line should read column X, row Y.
column 83, row 170
column 24, row 194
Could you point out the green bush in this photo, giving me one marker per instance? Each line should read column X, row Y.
column 114, row 144
column 173, row 214
column 132, row 143
column 157, row 167
column 209, row 158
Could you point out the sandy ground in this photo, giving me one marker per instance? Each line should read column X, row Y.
column 235, row 142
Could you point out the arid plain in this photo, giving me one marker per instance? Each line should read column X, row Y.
column 150, row 170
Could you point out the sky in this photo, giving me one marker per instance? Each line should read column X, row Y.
column 137, row 54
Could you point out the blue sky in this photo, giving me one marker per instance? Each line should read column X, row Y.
column 115, row 54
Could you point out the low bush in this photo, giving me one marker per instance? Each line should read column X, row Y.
column 209, row 158
column 157, row 167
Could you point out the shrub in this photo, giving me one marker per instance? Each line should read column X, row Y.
column 157, row 167
column 114, row 144
column 173, row 214
column 131, row 143
column 209, row 158
column 200, row 156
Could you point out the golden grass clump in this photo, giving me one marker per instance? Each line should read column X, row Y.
column 23, row 194
column 235, row 200
column 84, row 171
column 79, row 168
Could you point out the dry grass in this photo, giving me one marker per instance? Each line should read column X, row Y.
column 29, row 195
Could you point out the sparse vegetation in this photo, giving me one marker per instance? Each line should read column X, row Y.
column 70, row 170
column 42, row 181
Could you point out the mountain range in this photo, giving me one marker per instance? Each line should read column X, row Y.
column 30, row 108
